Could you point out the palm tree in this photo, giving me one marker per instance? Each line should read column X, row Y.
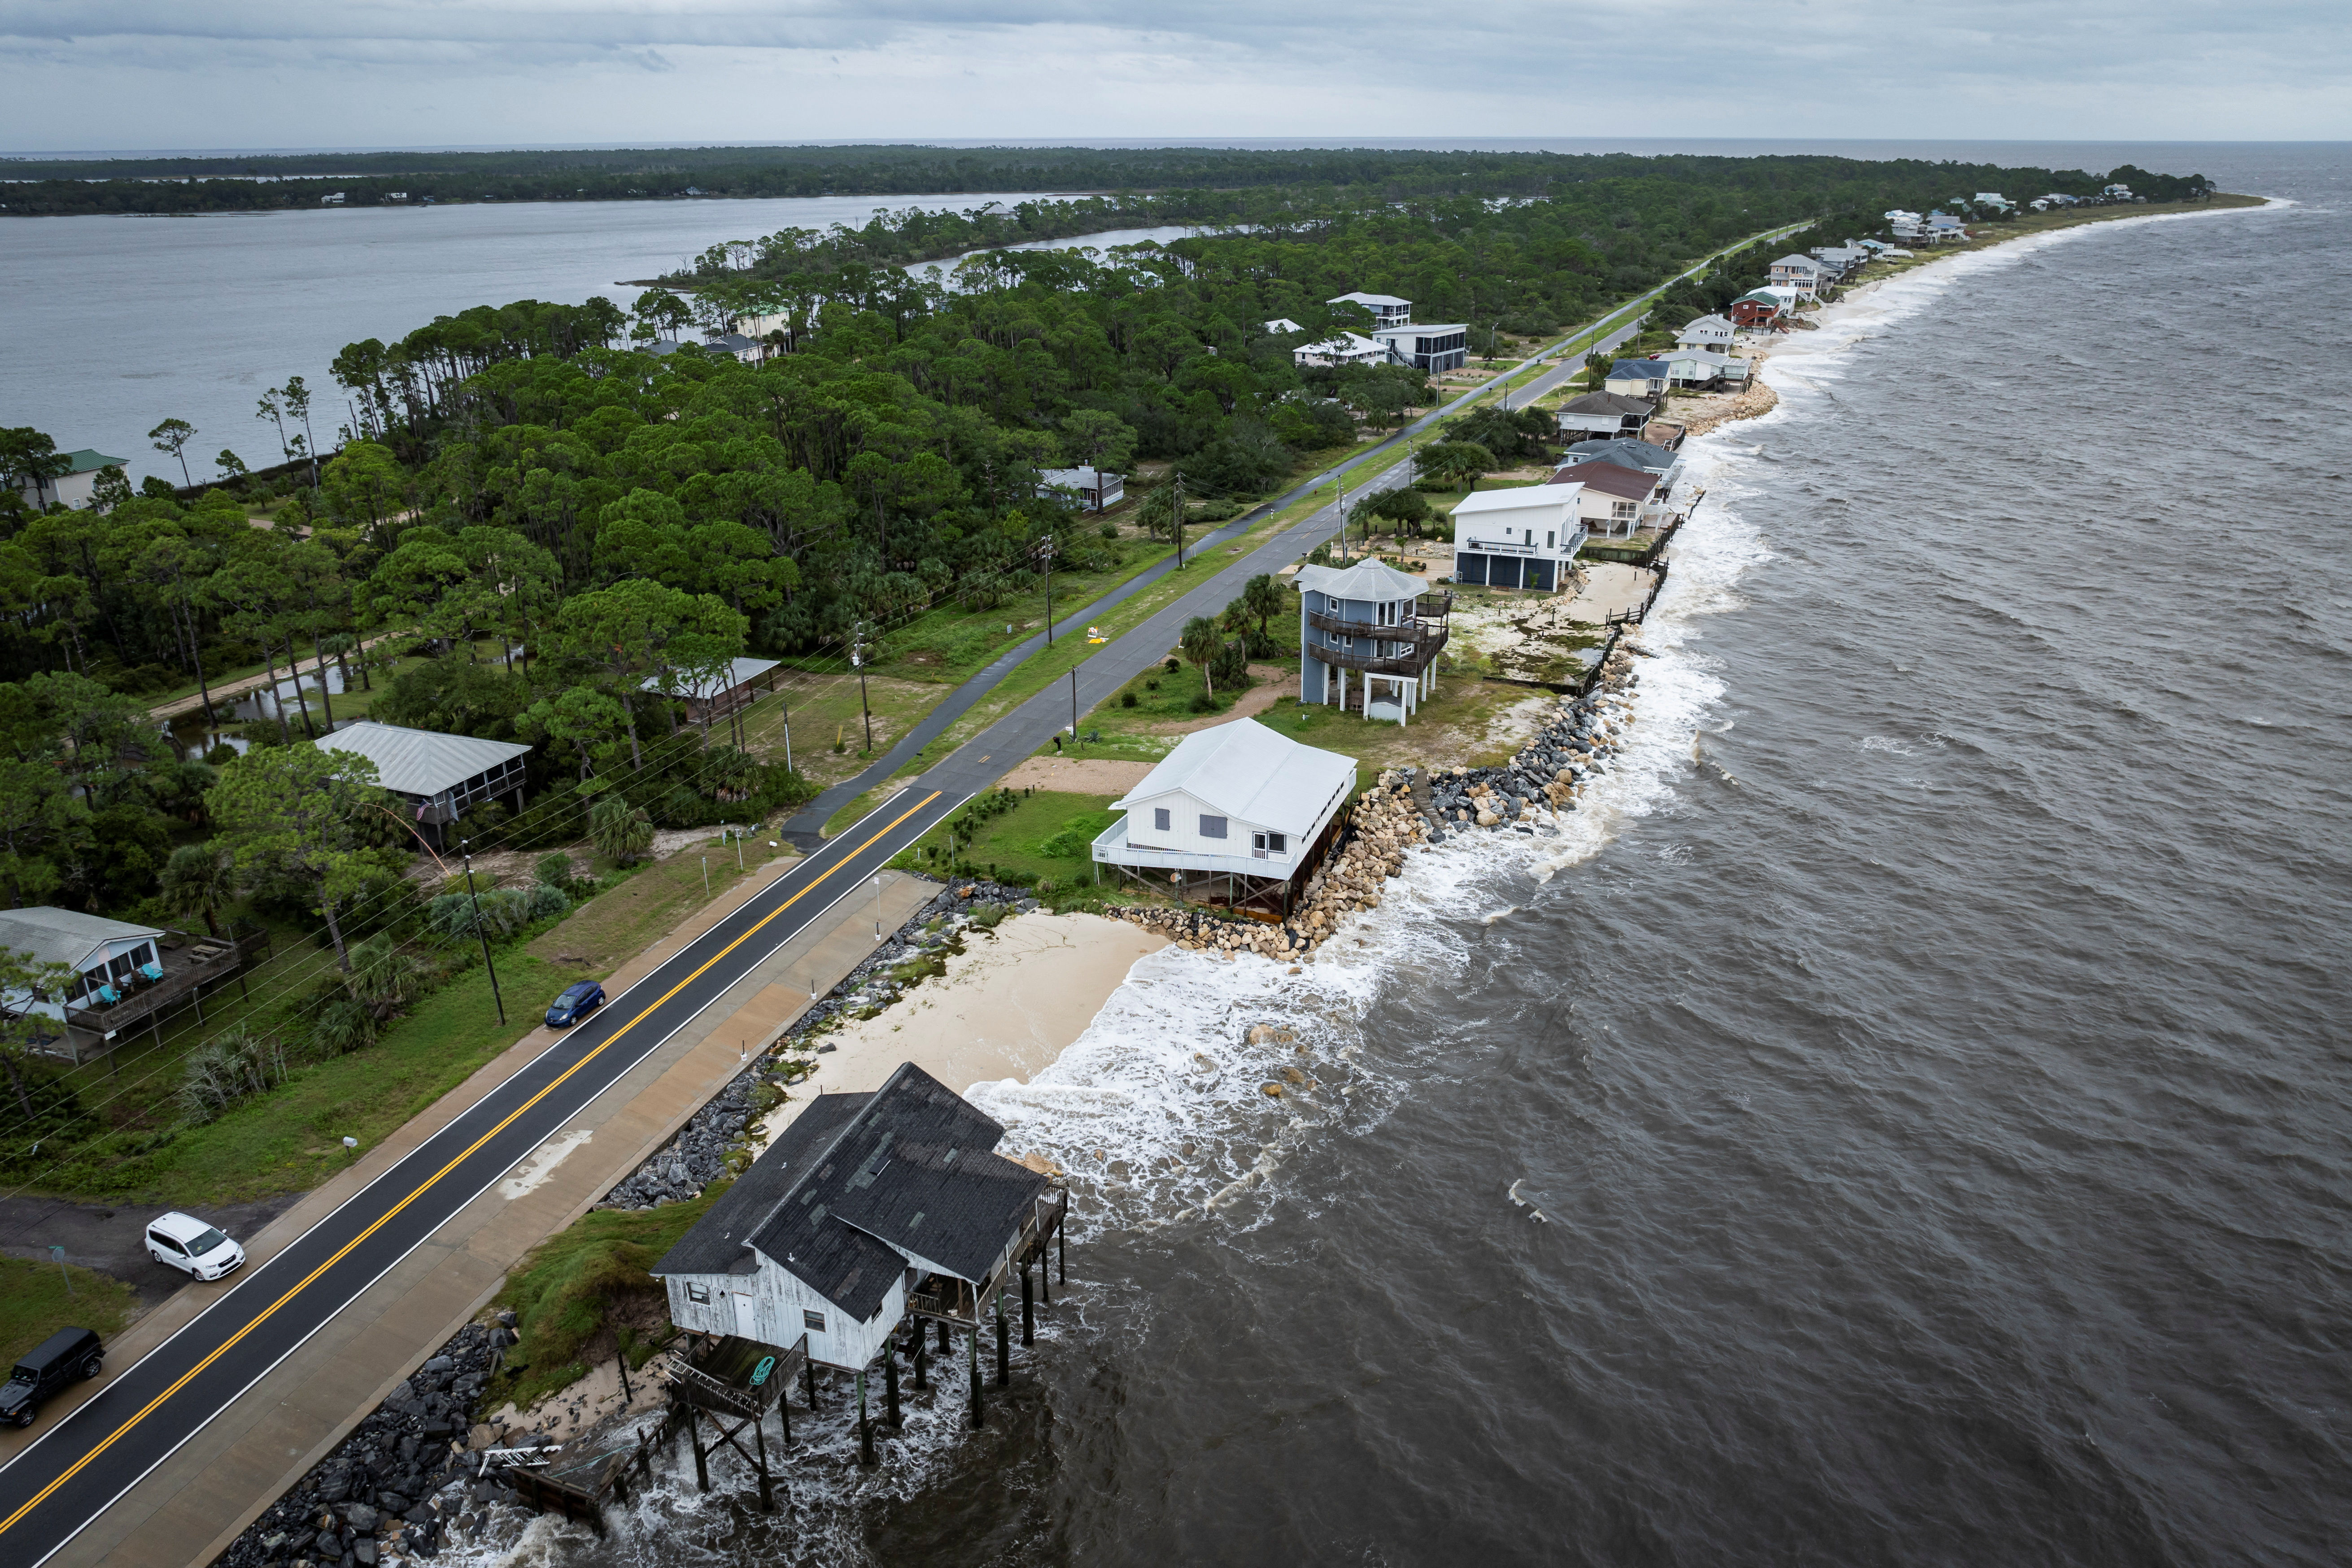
column 1199, row 640
column 1263, row 597
column 620, row 831
column 199, row 879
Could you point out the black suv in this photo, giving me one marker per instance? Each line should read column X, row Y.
column 69, row 1355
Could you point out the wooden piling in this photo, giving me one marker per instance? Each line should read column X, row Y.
column 864, row 1427
column 759, row 1444
column 922, row 1346
column 890, row 1388
column 702, row 1464
column 977, row 1402
column 1003, row 1344
column 1028, row 1310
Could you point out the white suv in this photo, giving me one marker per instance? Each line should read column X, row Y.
column 194, row 1247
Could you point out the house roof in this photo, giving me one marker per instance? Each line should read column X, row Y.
column 1712, row 323
column 89, row 459
column 1703, row 356
column 1251, row 774
column 1345, row 343
column 1609, row 402
column 1284, row 324
column 1636, row 369
column 909, row 1172
column 1609, row 478
column 1369, row 580
column 1077, row 478
column 1417, row 329
column 1624, row 453
column 1361, row 299
column 1807, row 262
column 737, row 671
column 63, row 936
column 420, row 762
column 721, row 1241
column 1518, row 497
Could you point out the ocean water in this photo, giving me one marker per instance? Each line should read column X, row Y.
column 1927, row 1054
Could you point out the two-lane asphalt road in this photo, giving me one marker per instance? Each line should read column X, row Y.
column 94, row 1455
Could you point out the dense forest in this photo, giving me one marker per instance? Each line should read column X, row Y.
column 48, row 187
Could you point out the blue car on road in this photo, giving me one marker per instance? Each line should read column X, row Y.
column 576, row 1003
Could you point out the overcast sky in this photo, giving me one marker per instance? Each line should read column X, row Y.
column 83, row 74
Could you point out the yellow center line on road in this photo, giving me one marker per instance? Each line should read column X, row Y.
column 426, row 1186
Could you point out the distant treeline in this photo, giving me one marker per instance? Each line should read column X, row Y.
column 49, row 187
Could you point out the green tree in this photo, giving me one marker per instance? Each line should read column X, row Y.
column 590, row 719
column 172, row 436
column 304, row 813
column 26, row 978
column 200, row 881
column 620, row 831
column 1264, row 597
column 1199, row 640
column 1455, row 463
column 626, row 631
column 29, row 458
column 232, row 466
column 364, row 486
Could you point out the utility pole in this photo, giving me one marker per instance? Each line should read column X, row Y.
column 463, row 848
column 857, row 654
column 1073, row 705
column 1045, row 554
column 1176, row 521
column 786, row 709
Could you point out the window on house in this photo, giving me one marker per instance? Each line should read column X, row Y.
column 1269, row 843
column 813, row 1320
column 1551, row 538
column 697, row 1293
column 1161, row 819
column 1212, row 827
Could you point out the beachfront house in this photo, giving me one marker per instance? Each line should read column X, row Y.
column 1611, row 501
column 1664, row 467
column 77, row 486
column 1096, row 490
column 1714, row 333
column 1372, row 619
column 437, row 777
column 1760, row 309
column 1945, row 229
column 1637, row 378
column 1994, row 200
column 865, row 1208
column 1237, row 815
column 712, row 696
column 1387, row 309
column 1801, row 273
column 1604, row 415
column 1347, row 348
column 1429, row 348
column 1521, row 537
column 1698, row 368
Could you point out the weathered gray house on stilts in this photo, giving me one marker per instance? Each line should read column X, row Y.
column 870, row 1216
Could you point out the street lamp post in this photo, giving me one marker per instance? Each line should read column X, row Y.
column 464, row 849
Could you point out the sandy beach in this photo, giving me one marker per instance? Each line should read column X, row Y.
column 1008, row 1006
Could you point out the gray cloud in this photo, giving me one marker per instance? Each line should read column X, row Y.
column 110, row 72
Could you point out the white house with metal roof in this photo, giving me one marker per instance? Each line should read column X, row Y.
column 1387, row 309
column 102, row 952
column 1712, row 332
column 1096, row 490
column 1237, row 810
column 1347, row 348
column 1521, row 537
column 77, row 486
column 438, row 777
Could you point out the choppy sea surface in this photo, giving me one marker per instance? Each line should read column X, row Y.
column 1928, row 1052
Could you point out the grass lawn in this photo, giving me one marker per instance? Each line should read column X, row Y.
column 1047, row 835
column 582, row 1289
column 290, row 1139
column 621, row 922
column 35, row 1304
